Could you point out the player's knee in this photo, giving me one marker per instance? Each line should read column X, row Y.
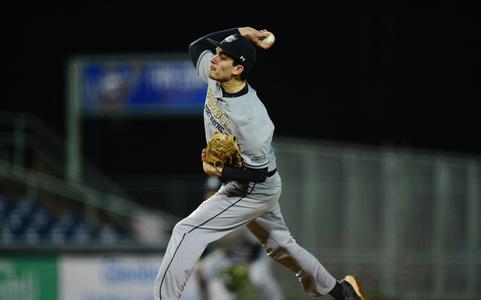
column 278, row 242
column 181, row 227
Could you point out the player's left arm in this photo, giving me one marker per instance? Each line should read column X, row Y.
column 208, row 168
column 211, row 170
column 229, row 173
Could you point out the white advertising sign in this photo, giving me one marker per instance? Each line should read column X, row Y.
column 112, row 278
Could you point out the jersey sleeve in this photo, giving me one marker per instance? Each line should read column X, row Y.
column 203, row 65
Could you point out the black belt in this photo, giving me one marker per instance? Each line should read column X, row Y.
column 269, row 174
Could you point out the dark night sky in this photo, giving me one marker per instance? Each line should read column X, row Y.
column 393, row 74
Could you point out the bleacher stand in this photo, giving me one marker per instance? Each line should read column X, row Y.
column 26, row 220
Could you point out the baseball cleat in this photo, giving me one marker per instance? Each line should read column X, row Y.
column 351, row 289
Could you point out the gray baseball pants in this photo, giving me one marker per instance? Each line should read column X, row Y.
column 234, row 205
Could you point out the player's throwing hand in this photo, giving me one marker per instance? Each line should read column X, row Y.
column 258, row 37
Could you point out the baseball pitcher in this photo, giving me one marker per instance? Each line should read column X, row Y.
column 250, row 191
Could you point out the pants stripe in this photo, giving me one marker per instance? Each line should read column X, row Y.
column 178, row 246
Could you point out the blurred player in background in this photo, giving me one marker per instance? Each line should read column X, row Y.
column 233, row 260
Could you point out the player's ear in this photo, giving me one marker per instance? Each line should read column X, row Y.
column 238, row 70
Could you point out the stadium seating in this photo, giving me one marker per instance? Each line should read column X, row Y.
column 27, row 221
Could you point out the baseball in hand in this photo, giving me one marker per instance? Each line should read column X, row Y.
column 270, row 39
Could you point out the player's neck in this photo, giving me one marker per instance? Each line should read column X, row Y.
column 233, row 86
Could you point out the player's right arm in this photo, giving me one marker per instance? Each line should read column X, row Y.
column 255, row 36
column 197, row 47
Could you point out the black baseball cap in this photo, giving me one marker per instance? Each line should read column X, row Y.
column 239, row 48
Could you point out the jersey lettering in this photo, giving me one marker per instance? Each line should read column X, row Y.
column 214, row 122
column 216, row 109
column 259, row 159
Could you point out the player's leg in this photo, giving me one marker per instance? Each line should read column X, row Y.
column 188, row 240
column 279, row 244
column 214, row 218
column 181, row 254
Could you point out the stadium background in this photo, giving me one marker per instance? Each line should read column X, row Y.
column 394, row 77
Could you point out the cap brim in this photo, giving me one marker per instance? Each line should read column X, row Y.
column 215, row 43
column 218, row 44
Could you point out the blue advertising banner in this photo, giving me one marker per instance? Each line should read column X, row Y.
column 169, row 86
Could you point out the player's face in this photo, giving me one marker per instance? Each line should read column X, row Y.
column 222, row 67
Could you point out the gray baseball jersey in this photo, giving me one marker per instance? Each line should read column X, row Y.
column 245, row 117
column 238, row 203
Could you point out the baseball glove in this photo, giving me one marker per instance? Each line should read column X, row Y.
column 223, row 150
